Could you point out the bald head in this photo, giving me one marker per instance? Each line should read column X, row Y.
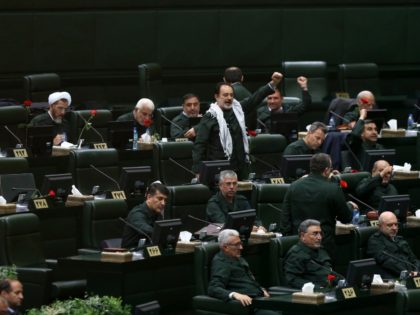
column 366, row 99
column 383, row 169
column 388, row 224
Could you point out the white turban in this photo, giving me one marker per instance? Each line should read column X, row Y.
column 56, row 96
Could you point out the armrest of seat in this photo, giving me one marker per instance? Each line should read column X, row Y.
column 37, row 284
column 67, row 289
column 210, row 304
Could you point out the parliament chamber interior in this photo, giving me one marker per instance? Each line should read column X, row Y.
column 109, row 54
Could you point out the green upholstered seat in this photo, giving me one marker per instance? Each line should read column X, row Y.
column 37, row 87
column 353, row 179
column 13, row 165
column 356, row 77
column 188, row 200
column 163, row 126
column 202, row 303
column 85, row 177
column 265, row 199
column 363, row 234
column 266, row 151
column 164, row 155
column 100, row 221
column 150, row 82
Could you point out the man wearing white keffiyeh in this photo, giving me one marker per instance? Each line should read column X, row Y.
column 222, row 131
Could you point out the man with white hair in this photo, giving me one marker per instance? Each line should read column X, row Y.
column 231, row 277
column 222, row 132
column 364, row 100
column 142, row 115
column 59, row 103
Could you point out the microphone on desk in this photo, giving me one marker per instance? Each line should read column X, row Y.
column 327, row 269
column 182, row 166
column 217, row 225
column 137, row 229
column 263, row 124
column 417, row 106
column 19, row 142
column 339, row 116
column 26, row 190
column 107, row 176
column 86, row 123
column 353, row 155
column 404, row 261
column 171, row 122
column 274, row 173
column 361, row 202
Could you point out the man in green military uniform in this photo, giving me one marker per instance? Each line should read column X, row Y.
column 315, row 196
column 308, row 261
column 144, row 216
column 222, row 131
column 312, row 142
column 226, row 199
column 391, row 251
column 181, row 123
column 275, row 105
column 364, row 100
column 231, row 277
column 235, row 77
column 371, row 189
column 141, row 115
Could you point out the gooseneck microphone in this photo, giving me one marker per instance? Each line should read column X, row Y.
column 263, row 124
column 404, row 261
column 171, row 122
column 137, row 229
column 417, row 106
column 274, row 207
column 264, row 162
column 182, row 166
column 86, row 123
column 107, row 176
column 352, row 154
column 339, row 116
column 327, row 269
column 19, row 142
column 217, row 225
column 361, row 202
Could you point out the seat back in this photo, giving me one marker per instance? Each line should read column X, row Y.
column 188, row 200
column 356, row 77
column 100, row 221
column 37, row 87
column 315, row 71
column 20, row 241
column 164, row 126
column 353, row 179
column 150, row 82
column 99, row 122
column 278, row 250
column 165, row 153
column 85, row 177
column 340, row 106
column 266, row 151
column 13, row 165
column 267, row 199
column 363, row 234
column 15, row 119
column 203, row 256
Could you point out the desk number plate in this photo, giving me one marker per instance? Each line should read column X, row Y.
column 101, row 145
column 118, row 195
column 348, row 293
column 374, row 223
column 20, row 153
column 181, row 139
column 277, row 180
column 40, row 203
column 153, row 251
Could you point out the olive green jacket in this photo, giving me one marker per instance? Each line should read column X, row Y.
column 299, row 147
column 182, row 121
column 371, row 190
column 218, row 207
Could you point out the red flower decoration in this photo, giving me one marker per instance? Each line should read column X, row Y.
column 364, row 100
column 147, row 122
column 93, row 112
column 354, row 171
column 27, row 103
column 51, row 193
column 343, row 184
column 331, row 277
column 252, row 133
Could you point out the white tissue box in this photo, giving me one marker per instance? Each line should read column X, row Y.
column 398, row 175
column 413, row 221
column 308, row 298
column 381, row 288
column 186, row 247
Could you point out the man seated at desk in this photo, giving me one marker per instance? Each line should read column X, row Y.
column 364, row 100
column 226, row 199
column 371, row 189
column 181, row 123
column 12, row 291
column 142, row 115
column 308, row 261
column 391, row 251
column 231, row 277
column 312, row 142
column 59, row 103
column 145, row 215
column 275, row 105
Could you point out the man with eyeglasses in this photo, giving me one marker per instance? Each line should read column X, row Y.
column 316, row 197
column 227, row 200
column 391, row 251
column 308, row 261
column 59, row 103
column 142, row 115
column 231, row 277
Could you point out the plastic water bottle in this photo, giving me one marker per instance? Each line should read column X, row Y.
column 135, row 138
column 410, row 122
column 356, row 214
column 331, row 123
